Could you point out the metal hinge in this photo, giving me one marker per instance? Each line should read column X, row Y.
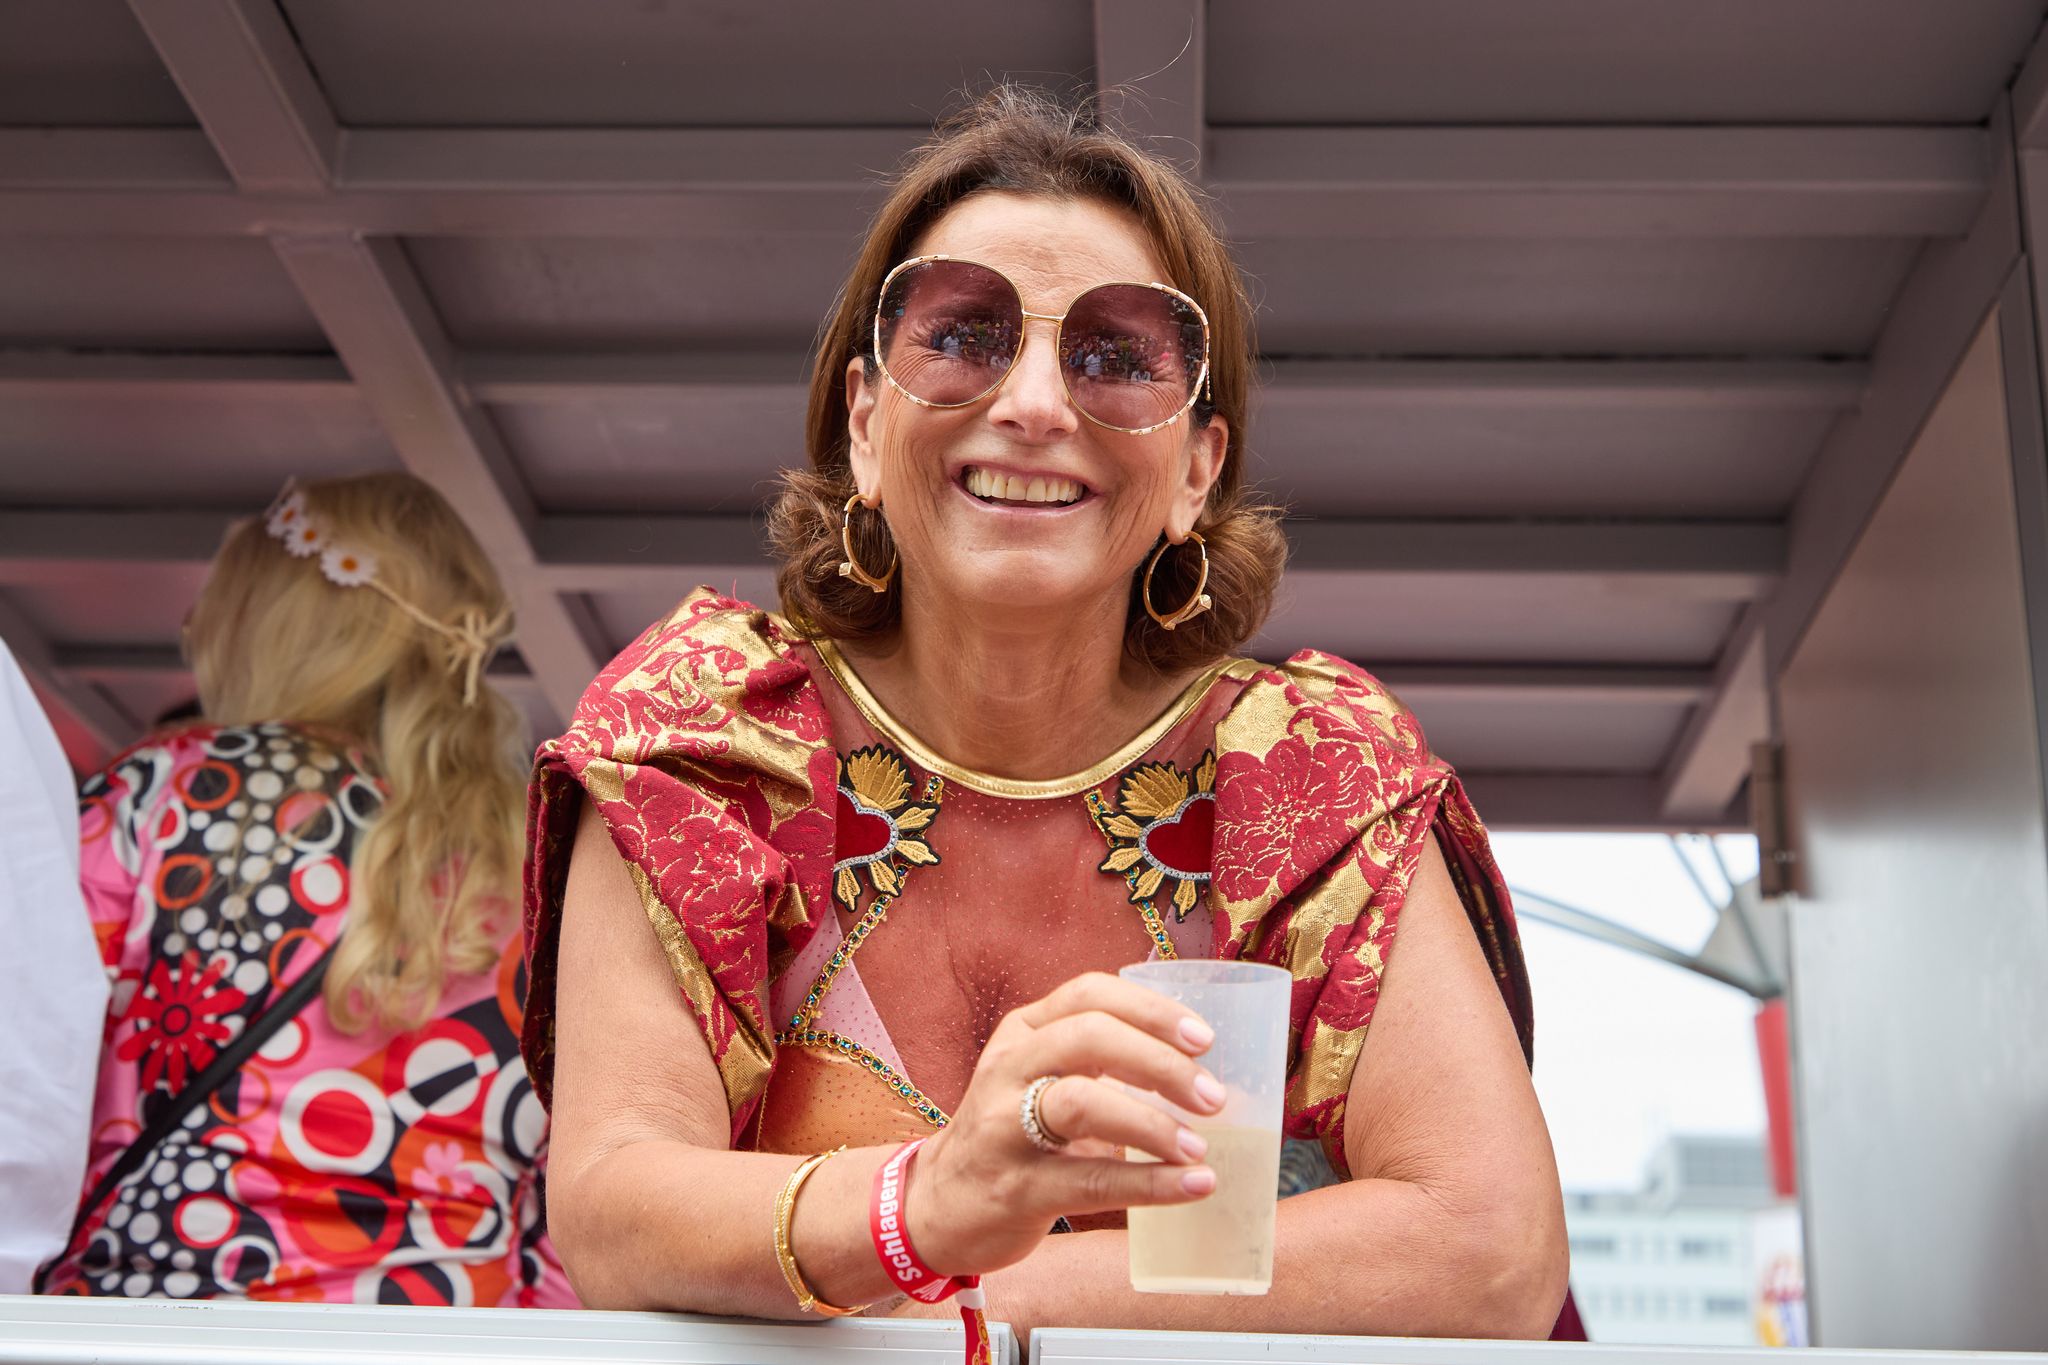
column 1775, row 857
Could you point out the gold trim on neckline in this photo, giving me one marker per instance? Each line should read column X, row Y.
column 1020, row 789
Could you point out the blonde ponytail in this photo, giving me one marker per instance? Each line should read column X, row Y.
column 434, row 879
column 436, row 874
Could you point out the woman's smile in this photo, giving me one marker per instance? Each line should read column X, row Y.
column 1001, row 488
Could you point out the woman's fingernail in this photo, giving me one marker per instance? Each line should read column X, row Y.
column 1200, row 1180
column 1192, row 1144
column 1197, row 1034
column 1209, row 1089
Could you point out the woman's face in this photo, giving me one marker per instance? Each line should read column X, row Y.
column 963, row 550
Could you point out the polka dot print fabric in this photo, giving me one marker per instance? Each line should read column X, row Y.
column 378, row 1167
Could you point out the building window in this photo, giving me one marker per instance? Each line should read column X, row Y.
column 1718, row 1306
column 1593, row 1246
column 1703, row 1248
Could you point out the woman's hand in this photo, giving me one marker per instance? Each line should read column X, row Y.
column 981, row 1196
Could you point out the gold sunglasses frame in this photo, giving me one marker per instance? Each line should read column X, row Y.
column 1196, row 390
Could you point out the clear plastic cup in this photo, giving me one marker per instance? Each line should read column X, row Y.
column 1223, row 1243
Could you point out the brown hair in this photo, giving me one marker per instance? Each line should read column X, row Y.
column 1018, row 139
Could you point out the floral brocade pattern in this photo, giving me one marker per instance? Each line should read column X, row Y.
column 702, row 746
column 705, row 747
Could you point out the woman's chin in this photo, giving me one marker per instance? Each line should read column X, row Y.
column 1004, row 587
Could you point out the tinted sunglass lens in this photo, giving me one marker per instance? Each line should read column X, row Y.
column 1132, row 354
column 949, row 330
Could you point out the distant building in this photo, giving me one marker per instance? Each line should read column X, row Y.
column 1679, row 1262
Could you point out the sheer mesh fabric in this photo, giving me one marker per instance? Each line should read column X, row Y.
column 1015, row 905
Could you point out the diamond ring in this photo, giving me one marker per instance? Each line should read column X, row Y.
column 1042, row 1137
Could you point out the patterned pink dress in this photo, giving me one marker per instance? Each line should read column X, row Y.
column 377, row 1167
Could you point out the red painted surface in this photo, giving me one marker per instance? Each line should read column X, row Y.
column 1774, row 1052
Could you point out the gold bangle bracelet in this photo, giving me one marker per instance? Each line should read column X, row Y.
column 785, row 1214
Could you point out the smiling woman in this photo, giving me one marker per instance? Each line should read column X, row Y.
column 813, row 894
column 1119, row 246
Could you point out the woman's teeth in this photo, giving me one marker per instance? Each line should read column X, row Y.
column 1012, row 488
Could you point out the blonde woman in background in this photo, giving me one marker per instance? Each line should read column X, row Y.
column 354, row 786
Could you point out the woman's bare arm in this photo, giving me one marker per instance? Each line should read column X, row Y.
column 1452, row 1224
column 647, row 1204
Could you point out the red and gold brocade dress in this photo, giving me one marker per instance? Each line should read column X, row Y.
column 849, row 915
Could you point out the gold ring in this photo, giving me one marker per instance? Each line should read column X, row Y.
column 1042, row 1137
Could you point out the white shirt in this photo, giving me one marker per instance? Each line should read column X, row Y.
column 53, row 989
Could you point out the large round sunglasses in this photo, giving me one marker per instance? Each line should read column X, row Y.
column 1133, row 356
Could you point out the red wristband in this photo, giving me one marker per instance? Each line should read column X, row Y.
column 891, row 1231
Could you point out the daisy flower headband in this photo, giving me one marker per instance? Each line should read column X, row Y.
column 470, row 639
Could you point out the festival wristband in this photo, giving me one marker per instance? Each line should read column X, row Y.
column 891, row 1232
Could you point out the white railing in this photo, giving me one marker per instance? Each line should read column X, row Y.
column 71, row 1331
column 1068, row 1346
column 75, row 1331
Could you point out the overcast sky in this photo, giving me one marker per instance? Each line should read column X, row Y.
column 1629, row 1049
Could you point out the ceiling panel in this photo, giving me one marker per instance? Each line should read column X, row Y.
column 528, row 63
column 718, row 452
column 82, row 64
column 763, row 293
column 1442, row 458
column 164, row 450
column 144, row 293
column 1669, row 296
column 1535, row 618
column 111, row 603
column 1612, row 61
column 1502, row 732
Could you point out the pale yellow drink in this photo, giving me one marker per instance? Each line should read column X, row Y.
column 1222, row 1244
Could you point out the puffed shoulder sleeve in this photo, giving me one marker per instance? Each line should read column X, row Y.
column 703, row 747
column 1325, row 793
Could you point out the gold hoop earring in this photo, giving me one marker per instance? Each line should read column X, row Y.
column 849, row 567
column 1198, row 601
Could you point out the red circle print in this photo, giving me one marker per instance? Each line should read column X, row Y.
column 339, row 1123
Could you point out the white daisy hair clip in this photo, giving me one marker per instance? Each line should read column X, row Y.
column 471, row 638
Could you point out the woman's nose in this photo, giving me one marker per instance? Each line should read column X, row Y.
column 1032, row 403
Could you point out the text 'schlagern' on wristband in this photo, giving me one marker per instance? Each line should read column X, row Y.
column 785, row 1214
column 890, row 1230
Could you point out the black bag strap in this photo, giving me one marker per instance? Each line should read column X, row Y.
column 225, row 1063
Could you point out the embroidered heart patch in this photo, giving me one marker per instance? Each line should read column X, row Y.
column 863, row 835
column 1182, row 845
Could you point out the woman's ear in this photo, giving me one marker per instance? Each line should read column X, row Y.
column 1207, row 446
column 860, row 415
